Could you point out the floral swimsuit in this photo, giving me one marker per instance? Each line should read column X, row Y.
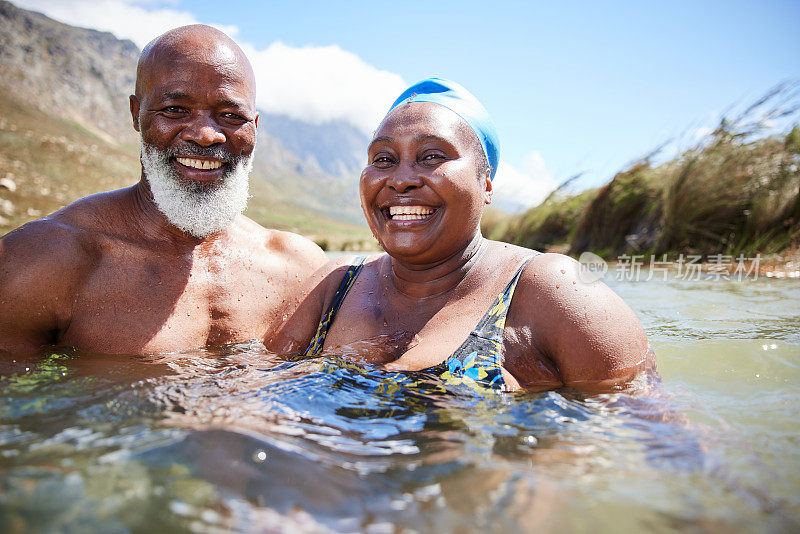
column 479, row 358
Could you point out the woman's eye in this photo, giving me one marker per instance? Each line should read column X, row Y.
column 432, row 158
column 382, row 160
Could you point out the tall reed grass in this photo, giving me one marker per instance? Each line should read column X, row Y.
column 737, row 190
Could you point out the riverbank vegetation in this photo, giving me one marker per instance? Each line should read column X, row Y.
column 736, row 191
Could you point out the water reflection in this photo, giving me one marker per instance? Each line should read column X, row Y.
column 722, row 309
column 240, row 439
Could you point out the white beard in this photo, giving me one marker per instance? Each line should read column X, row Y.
column 197, row 208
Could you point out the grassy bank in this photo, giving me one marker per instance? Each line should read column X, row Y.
column 735, row 192
column 53, row 161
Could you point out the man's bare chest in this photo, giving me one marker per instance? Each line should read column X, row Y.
column 148, row 305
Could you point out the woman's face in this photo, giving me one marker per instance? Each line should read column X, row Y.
column 420, row 190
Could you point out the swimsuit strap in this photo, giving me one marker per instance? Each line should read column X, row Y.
column 317, row 342
column 493, row 322
column 480, row 357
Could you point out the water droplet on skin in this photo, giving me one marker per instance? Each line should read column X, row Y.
column 563, row 271
column 557, row 286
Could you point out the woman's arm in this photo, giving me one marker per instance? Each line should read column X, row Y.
column 302, row 311
column 586, row 330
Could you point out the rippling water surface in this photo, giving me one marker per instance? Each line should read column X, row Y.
column 237, row 439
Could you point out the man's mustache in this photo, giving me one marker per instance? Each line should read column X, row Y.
column 216, row 152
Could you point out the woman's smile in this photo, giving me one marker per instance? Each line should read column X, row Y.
column 409, row 213
column 406, row 216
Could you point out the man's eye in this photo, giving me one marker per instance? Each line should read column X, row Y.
column 174, row 110
column 233, row 117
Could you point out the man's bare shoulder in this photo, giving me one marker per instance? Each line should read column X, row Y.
column 48, row 239
column 93, row 213
column 41, row 264
column 292, row 248
column 64, row 241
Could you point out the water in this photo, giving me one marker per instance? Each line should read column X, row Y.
column 236, row 439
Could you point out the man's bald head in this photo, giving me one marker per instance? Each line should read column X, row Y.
column 195, row 110
column 195, row 42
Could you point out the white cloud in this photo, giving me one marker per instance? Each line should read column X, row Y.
column 517, row 190
column 313, row 83
column 320, row 83
column 127, row 19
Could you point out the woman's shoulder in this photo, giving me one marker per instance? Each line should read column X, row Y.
column 555, row 283
column 345, row 262
column 512, row 256
column 302, row 312
column 330, row 276
column 548, row 267
column 580, row 323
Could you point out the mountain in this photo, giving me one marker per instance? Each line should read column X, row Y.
column 64, row 117
column 336, row 148
column 312, row 166
column 74, row 73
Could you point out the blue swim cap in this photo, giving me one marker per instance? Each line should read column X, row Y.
column 464, row 104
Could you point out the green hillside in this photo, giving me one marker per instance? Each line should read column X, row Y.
column 53, row 161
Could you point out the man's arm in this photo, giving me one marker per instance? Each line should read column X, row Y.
column 305, row 256
column 589, row 333
column 39, row 265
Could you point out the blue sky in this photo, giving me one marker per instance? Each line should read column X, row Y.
column 572, row 86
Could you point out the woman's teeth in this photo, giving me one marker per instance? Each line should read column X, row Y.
column 203, row 164
column 409, row 213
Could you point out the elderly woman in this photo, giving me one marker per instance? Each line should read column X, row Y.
column 444, row 299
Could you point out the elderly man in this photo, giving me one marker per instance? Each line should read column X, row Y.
column 170, row 263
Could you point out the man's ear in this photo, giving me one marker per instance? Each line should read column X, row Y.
column 134, row 103
column 487, row 192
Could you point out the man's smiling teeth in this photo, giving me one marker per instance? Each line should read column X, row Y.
column 409, row 213
column 203, row 164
